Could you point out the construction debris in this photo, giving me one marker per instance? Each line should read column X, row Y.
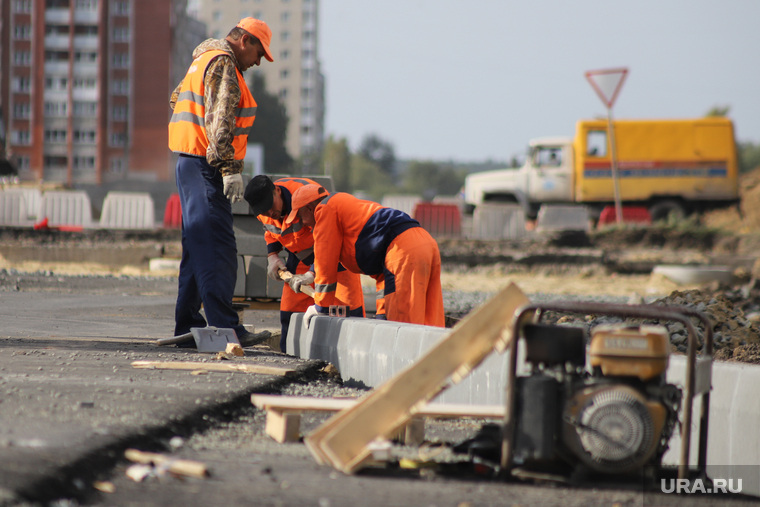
column 153, row 464
column 223, row 367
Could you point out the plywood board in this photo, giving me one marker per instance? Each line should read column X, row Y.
column 342, row 441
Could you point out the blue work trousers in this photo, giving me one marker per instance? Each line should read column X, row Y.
column 208, row 270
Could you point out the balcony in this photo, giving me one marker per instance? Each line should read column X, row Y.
column 57, row 16
column 86, row 17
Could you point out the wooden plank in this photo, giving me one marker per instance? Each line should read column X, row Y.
column 224, row 367
column 306, row 289
column 283, row 426
column 438, row 410
column 185, row 467
column 343, row 439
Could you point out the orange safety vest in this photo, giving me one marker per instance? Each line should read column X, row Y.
column 187, row 128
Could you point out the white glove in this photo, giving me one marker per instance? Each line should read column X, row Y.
column 274, row 266
column 309, row 314
column 233, row 187
column 297, row 280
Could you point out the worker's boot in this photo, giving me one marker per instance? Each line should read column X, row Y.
column 248, row 339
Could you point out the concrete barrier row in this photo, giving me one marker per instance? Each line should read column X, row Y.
column 25, row 207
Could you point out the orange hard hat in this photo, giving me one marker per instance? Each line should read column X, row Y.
column 303, row 196
column 261, row 31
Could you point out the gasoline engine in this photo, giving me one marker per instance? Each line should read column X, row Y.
column 607, row 410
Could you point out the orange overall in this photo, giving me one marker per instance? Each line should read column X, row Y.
column 386, row 244
column 298, row 242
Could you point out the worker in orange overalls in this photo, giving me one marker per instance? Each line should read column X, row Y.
column 271, row 202
column 384, row 243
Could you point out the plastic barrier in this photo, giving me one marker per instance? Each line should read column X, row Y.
column 14, row 209
column 127, row 210
column 173, row 213
column 439, row 219
column 66, row 209
column 631, row 215
column 405, row 203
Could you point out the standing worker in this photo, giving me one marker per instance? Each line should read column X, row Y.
column 271, row 202
column 382, row 242
column 213, row 114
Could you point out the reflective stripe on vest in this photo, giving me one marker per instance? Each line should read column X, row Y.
column 187, row 128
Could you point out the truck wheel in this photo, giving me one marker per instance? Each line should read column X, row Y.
column 663, row 210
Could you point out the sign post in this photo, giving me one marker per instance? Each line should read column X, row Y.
column 607, row 84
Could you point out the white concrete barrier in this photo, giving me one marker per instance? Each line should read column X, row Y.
column 66, row 208
column 128, row 210
column 14, row 210
column 498, row 221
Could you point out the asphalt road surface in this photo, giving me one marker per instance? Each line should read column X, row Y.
column 71, row 403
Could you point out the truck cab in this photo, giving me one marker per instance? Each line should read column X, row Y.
column 545, row 177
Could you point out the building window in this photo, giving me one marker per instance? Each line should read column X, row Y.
column 22, row 32
column 22, row 58
column 120, row 34
column 21, row 137
column 117, row 165
column 120, row 87
column 84, row 136
column 56, row 83
column 22, row 163
column 22, row 110
column 22, row 6
column 121, row 7
column 56, row 56
column 118, row 139
column 22, row 84
column 86, row 5
column 85, row 83
column 56, row 109
column 121, row 60
column 285, row 36
column 85, row 56
column 283, row 93
column 285, row 16
column 284, row 54
column 217, row 15
column 308, row 35
column 55, row 136
column 84, row 162
column 284, row 73
column 119, row 113
column 55, row 162
column 85, row 109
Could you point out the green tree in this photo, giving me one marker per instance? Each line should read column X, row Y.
column 368, row 178
column 336, row 162
column 270, row 127
column 719, row 111
column 749, row 156
column 379, row 151
column 429, row 179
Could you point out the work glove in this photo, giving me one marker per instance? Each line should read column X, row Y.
column 233, row 187
column 309, row 314
column 297, row 280
column 274, row 266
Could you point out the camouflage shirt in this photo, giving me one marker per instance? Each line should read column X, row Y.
column 221, row 96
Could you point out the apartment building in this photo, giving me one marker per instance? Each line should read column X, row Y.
column 84, row 87
column 295, row 75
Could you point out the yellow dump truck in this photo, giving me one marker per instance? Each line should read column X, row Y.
column 682, row 166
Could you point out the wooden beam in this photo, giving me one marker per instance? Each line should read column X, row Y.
column 343, row 439
column 223, row 367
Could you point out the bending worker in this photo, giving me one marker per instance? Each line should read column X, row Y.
column 213, row 114
column 271, row 202
column 382, row 242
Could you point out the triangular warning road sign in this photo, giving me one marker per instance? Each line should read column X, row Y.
column 607, row 83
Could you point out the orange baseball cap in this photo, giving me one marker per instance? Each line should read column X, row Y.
column 304, row 195
column 261, row 31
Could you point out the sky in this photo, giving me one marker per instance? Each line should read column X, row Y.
column 475, row 80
